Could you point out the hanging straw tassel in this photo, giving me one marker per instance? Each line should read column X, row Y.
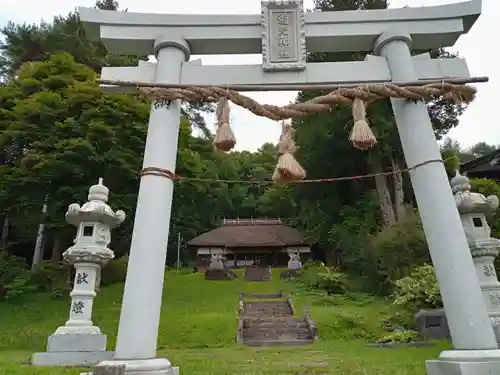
column 288, row 169
column 224, row 137
column 361, row 136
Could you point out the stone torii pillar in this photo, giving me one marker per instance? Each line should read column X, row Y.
column 141, row 306
column 472, row 335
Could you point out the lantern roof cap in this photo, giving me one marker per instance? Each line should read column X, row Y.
column 95, row 209
column 468, row 201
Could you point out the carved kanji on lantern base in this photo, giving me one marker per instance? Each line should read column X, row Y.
column 79, row 342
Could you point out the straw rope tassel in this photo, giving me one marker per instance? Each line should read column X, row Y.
column 287, row 169
column 224, row 137
column 361, row 135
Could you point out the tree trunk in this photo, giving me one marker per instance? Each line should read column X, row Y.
column 399, row 195
column 56, row 250
column 384, row 196
column 5, row 233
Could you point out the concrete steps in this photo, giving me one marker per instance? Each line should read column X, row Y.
column 267, row 321
column 267, row 308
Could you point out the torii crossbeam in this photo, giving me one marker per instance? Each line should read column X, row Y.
column 284, row 33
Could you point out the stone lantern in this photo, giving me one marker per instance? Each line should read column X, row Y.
column 79, row 342
column 474, row 208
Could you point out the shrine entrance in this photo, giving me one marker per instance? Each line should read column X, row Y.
column 284, row 33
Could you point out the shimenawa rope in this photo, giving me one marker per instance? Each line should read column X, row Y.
column 361, row 136
column 342, row 96
column 154, row 171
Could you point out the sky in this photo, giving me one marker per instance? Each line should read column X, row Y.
column 479, row 123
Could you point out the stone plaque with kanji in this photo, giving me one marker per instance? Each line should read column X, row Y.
column 283, row 35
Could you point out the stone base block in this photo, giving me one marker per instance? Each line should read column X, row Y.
column 79, row 342
column 465, row 362
column 438, row 367
column 174, row 371
column 81, row 359
column 155, row 366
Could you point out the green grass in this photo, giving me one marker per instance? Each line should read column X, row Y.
column 198, row 326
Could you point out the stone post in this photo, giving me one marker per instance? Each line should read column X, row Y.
column 473, row 209
column 471, row 331
column 79, row 342
column 142, row 297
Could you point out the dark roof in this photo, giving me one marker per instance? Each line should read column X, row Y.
column 486, row 162
column 250, row 233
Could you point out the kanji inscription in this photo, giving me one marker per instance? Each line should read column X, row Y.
column 81, row 278
column 489, row 270
column 283, row 36
column 494, row 299
column 77, row 307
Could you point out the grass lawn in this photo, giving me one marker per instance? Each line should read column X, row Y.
column 198, row 329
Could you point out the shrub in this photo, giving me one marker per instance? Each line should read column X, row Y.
column 419, row 290
column 397, row 320
column 14, row 276
column 115, row 271
column 398, row 337
column 318, row 276
column 349, row 234
column 53, row 278
column 394, row 251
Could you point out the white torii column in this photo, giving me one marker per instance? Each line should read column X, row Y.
column 472, row 334
column 142, row 297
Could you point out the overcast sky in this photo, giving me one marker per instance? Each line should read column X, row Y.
column 479, row 123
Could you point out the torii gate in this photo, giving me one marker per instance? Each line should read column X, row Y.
column 390, row 35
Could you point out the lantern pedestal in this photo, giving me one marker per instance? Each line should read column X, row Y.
column 78, row 342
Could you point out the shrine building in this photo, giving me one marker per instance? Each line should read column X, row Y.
column 486, row 166
column 250, row 242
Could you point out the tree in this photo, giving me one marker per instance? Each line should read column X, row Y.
column 453, row 148
column 29, row 43
column 482, row 148
column 60, row 132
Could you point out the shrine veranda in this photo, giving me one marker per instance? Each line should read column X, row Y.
column 284, row 33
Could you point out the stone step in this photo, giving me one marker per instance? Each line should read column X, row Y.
column 295, row 342
column 276, row 331
column 276, row 327
column 292, row 323
column 266, row 308
column 271, row 336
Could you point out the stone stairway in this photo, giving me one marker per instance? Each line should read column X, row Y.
column 276, row 331
column 258, row 274
column 267, row 308
column 267, row 321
